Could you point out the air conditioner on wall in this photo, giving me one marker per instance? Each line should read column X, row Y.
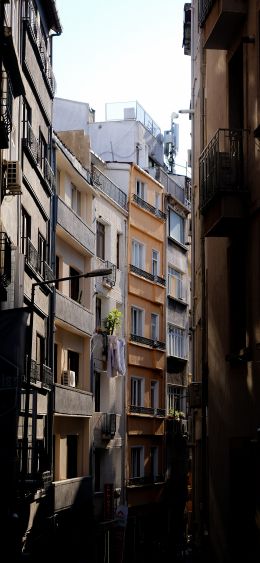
column 13, row 178
column 69, row 378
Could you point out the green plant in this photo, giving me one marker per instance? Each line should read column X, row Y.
column 113, row 321
column 178, row 415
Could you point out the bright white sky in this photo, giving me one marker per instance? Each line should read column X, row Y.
column 125, row 50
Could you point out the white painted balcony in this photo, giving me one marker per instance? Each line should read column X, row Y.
column 75, row 227
column 71, row 313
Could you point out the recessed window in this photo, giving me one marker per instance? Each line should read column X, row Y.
column 73, row 364
column 175, row 283
column 155, row 262
column 137, row 385
column 100, row 240
column 41, row 253
column 176, row 226
column 137, row 321
column 138, row 254
column 74, row 284
column 75, row 199
column 154, row 394
column 140, row 189
column 154, row 462
column 137, row 461
column 154, row 326
column 176, row 342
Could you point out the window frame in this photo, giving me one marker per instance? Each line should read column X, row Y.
column 100, row 240
column 155, row 261
column 140, row 321
column 138, row 254
column 137, row 391
column 154, row 326
column 140, row 189
column 137, row 462
column 173, row 228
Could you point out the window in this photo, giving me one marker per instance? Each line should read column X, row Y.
column 26, row 229
column 174, row 398
column 57, row 270
column 27, row 118
column 41, row 252
column 97, row 391
column 137, row 321
column 73, row 364
column 157, row 200
column 154, row 326
column 175, row 284
column 155, row 262
column 137, row 461
column 176, row 342
column 118, row 240
column 140, row 189
column 72, row 455
column 154, row 462
column 40, row 349
column 154, row 394
column 138, row 254
column 74, row 284
column 176, row 226
column 100, row 248
column 75, row 199
column 137, row 385
column 42, row 150
column 98, row 312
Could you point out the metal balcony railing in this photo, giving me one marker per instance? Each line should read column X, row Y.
column 222, row 166
column 204, row 10
column 5, row 260
column 41, row 373
column 145, row 480
column 109, row 188
column 30, row 16
column 145, row 205
column 146, row 410
column 31, row 142
column 108, row 425
column 49, row 175
column 6, row 105
column 147, row 341
column 147, row 275
column 33, row 259
column 117, row 111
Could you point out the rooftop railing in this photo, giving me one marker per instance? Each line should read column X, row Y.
column 119, row 111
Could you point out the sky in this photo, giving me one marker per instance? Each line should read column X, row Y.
column 126, row 50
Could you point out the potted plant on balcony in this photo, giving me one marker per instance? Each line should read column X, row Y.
column 113, row 321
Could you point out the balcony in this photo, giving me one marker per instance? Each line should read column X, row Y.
column 6, row 106
column 71, row 313
column 134, row 409
column 75, row 227
column 34, row 261
column 5, row 264
column 148, row 207
column 147, row 275
column 41, row 374
column 72, row 401
column 109, row 188
column 71, row 492
column 106, row 425
column 145, row 480
column 105, row 281
column 221, row 21
column 223, row 183
column 147, row 341
column 180, row 192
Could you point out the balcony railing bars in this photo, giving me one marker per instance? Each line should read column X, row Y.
column 222, row 167
column 204, row 10
column 31, row 142
column 33, row 259
column 145, row 480
column 145, row 205
column 5, row 260
column 109, row 188
column 147, row 341
column 42, row 374
column 147, row 275
column 6, row 104
column 146, row 410
column 30, row 16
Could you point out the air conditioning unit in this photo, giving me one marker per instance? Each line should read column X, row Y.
column 13, row 178
column 69, row 378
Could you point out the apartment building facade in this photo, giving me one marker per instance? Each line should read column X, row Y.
column 225, row 133
column 27, row 195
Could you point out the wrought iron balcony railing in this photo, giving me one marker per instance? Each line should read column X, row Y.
column 145, row 480
column 204, row 10
column 222, row 166
column 6, row 109
column 109, row 188
column 31, row 142
column 147, row 275
column 42, row 374
column 147, row 341
column 147, row 410
column 108, row 427
column 30, row 16
column 145, row 205
column 49, row 175
column 33, row 259
column 5, row 260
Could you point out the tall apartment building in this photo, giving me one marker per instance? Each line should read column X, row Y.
column 225, row 131
column 27, row 187
column 130, row 149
